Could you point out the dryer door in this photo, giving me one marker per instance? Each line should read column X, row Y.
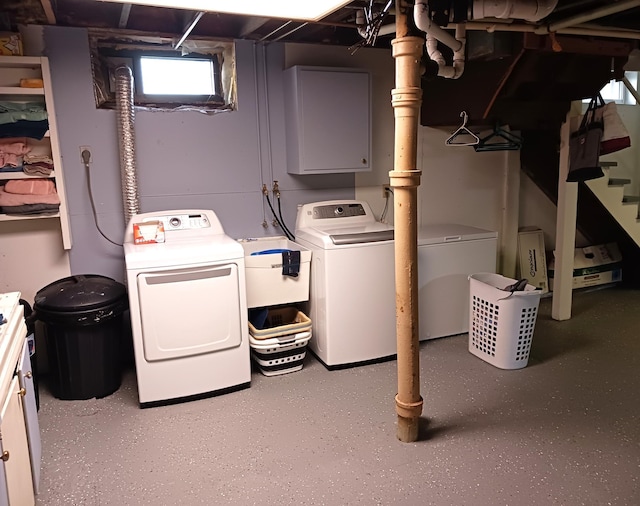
column 187, row 312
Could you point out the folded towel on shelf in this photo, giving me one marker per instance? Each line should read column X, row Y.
column 16, row 199
column 31, row 209
column 14, row 140
column 11, row 151
column 14, row 168
column 25, row 128
column 11, row 112
column 38, row 169
column 39, row 152
column 34, row 158
column 30, row 186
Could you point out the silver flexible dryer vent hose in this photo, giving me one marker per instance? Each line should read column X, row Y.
column 126, row 141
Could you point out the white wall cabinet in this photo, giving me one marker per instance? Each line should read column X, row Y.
column 12, row 69
column 328, row 120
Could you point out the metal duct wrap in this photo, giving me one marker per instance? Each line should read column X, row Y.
column 126, row 141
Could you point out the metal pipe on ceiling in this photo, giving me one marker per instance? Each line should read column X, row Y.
column 189, row 29
column 276, row 30
column 124, row 16
column 290, row 32
column 570, row 26
column 523, row 27
column 600, row 12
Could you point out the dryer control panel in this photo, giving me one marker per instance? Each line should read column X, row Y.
column 178, row 224
column 182, row 221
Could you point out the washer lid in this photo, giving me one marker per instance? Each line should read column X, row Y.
column 79, row 293
column 331, row 237
column 362, row 237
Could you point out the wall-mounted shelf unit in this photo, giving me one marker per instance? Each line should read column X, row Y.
column 12, row 70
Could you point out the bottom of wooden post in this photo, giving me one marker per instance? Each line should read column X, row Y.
column 408, row 429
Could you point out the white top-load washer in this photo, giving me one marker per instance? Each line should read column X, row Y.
column 188, row 308
column 352, row 286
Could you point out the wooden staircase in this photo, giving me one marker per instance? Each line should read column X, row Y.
column 625, row 209
column 605, row 214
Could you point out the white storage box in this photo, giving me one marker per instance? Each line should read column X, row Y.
column 266, row 284
column 501, row 323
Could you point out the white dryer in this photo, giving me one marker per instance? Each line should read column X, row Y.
column 352, row 285
column 188, row 308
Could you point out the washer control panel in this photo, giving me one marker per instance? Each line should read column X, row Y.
column 338, row 211
column 182, row 221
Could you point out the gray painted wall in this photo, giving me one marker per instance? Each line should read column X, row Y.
column 185, row 160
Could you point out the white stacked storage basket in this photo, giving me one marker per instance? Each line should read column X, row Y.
column 280, row 347
column 278, row 337
column 501, row 322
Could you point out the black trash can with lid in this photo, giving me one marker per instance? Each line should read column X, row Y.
column 83, row 322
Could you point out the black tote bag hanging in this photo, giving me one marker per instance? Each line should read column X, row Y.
column 584, row 146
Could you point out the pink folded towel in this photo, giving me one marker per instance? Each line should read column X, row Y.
column 12, row 140
column 30, row 186
column 11, row 149
column 16, row 199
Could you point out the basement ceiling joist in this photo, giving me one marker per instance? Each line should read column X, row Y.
column 336, row 29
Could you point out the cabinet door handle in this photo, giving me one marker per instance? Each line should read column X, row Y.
column 5, row 456
column 28, row 375
column 22, row 392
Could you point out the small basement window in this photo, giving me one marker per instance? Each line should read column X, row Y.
column 616, row 91
column 179, row 76
column 203, row 79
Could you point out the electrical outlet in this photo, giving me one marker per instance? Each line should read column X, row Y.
column 83, row 154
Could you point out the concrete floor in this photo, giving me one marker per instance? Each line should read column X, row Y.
column 563, row 431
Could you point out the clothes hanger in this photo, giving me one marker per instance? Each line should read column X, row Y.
column 499, row 140
column 463, row 130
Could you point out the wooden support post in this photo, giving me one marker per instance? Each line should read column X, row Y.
column 405, row 179
column 565, row 231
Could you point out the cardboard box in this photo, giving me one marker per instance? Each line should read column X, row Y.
column 594, row 265
column 10, row 44
column 532, row 258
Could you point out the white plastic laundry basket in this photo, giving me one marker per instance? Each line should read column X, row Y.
column 501, row 322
